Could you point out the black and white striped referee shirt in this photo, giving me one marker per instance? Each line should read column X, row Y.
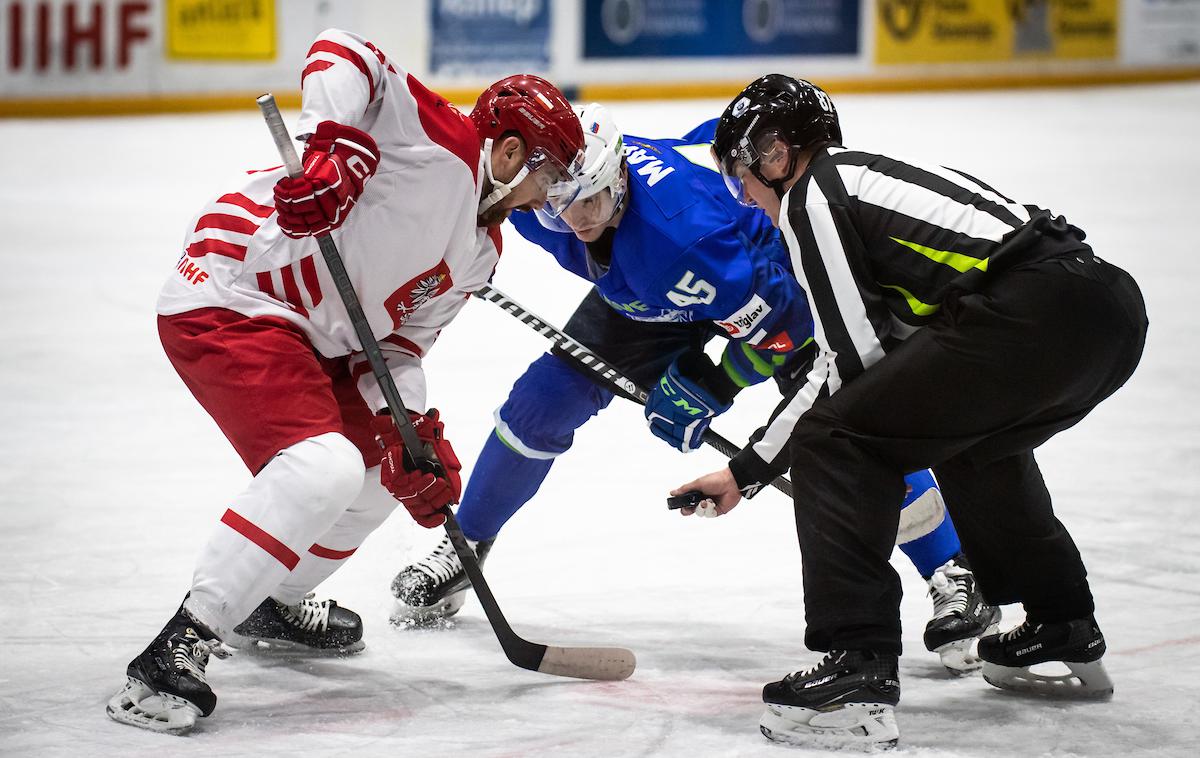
column 877, row 244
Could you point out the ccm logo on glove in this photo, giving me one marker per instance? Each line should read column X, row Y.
column 687, row 397
column 338, row 160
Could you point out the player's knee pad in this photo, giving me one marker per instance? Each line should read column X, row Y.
column 322, row 475
column 547, row 404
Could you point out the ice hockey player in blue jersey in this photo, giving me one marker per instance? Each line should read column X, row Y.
column 675, row 261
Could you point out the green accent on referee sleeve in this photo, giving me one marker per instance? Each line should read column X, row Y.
column 732, row 372
column 919, row 308
column 506, row 443
column 956, row 261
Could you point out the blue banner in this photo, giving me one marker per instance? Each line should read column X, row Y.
column 719, row 28
column 489, row 36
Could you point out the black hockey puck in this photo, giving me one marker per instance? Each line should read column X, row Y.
column 690, row 499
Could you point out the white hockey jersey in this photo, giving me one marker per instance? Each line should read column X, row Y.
column 411, row 244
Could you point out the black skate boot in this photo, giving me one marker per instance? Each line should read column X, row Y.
column 166, row 689
column 435, row 587
column 960, row 616
column 310, row 626
column 848, row 700
column 1077, row 644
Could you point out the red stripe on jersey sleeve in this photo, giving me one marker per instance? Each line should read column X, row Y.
column 382, row 58
column 226, row 222
column 308, row 272
column 333, row 555
column 445, row 125
column 291, row 291
column 245, row 203
column 265, row 284
column 217, row 247
column 277, row 549
column 341, row 51
column 404, row 344
column 359, row 369
column 313, row 68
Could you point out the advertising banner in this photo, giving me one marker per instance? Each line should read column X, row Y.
column 943, row 31
column 230, row 30
column 497, row 36
column 719, row 28
column 1161, row 32
column 76, row 45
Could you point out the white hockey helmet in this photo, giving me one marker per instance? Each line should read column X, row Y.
column 602, row 180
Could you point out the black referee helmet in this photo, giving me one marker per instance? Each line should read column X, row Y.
column 796, row 111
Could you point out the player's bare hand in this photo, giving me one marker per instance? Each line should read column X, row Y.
column 722, row 491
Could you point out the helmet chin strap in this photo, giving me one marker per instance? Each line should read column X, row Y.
column 500, row 189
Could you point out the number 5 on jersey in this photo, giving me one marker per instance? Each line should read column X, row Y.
column 691, row 291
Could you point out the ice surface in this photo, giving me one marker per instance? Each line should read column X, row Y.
column 111, row 477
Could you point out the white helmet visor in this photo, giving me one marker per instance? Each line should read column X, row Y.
column 592, row 211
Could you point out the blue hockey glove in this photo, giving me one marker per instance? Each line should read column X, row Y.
column 686, row 398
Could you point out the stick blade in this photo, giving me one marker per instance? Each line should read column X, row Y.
column 605, row 664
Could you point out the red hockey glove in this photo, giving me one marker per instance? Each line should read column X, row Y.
column 421, row 493
column 337, row 163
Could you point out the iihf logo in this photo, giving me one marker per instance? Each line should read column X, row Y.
column 740, row 107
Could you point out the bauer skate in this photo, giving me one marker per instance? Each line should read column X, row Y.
column 310, row 626
column 1077, row 644
column 960, row 616
column 435, row 587
column 166, row 690
column 848, row 700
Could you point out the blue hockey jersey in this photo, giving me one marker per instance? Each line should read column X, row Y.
column 686, row 250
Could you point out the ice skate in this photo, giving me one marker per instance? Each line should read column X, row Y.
column 848, row 700
column 166, row 689
column 960, row 616
column 435, row 587
column 311, row 626
column 1077, row 644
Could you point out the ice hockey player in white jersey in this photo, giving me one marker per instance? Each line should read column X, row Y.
column 412, row 191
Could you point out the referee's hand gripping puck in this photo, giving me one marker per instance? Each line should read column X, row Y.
column 695, row 500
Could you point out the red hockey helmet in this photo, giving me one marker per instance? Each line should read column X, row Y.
column 537, row 111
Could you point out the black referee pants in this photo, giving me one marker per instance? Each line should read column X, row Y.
column 970, row 396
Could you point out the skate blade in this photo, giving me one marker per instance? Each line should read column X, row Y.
column 269, row 648
column 960, row 657
column 138, row 705
column 436, row 616
column 865, row 727
column 1086, row 681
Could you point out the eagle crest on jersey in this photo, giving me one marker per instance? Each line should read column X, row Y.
column 417, row 291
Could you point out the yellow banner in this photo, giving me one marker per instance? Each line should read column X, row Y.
column 234, row 30
column 949, row 31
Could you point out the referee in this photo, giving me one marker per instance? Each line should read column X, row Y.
column 958, row 330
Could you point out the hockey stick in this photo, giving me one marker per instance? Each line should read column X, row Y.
column 604, row 371
column 606, row 663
